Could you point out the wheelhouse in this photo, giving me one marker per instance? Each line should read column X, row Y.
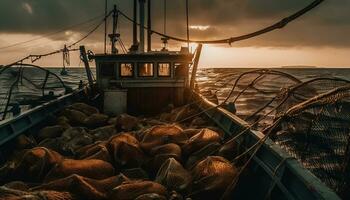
column 149, row 81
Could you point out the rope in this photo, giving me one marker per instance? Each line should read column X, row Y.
column 10, row 94
column 279, row 25
column 34, row 58
column 52, row 33
column 256, row 148
column 274, row 173
column 268, row 131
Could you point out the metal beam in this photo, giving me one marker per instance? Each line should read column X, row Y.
column 85, row 60
column 195, row 65
column 135, row 42
column 142, row 25
column 149, row 25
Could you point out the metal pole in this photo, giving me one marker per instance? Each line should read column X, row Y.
column 85, row 60
column 105, row 45
column 114, row 33
column 135, row 24
column 195, row 65
column 188, row 28
column 142, row 25
column 149, row 25
column 164, row 16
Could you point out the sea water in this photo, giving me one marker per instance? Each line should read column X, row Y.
column 207, row 79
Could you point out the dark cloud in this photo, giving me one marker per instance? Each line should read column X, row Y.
column 327, row 25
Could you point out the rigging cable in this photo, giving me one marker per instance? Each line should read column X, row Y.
column 52, row 33
column 37, row 57
column 279, row 25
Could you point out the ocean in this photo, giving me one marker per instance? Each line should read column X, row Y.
column 207, row 76
column 215, row 80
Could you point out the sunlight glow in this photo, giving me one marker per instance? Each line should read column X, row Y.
column 216, row 56
column 27, row 7
column 199, row 27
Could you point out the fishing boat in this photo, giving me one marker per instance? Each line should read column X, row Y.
column 146, row 84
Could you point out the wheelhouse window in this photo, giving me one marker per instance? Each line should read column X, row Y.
column 107, row 69
column 145, row 69
column 126, row 69
column 164, row 69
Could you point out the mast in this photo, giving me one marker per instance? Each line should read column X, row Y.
column 187, row 25
column 105, row 42
column 165, row 39
column 114, row 36
column 149, row 25
column 135, row 46
column 142, row 25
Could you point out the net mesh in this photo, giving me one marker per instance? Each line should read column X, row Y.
column 254, row 94
column 27, row 86
column 308, row 119
column 317, row 133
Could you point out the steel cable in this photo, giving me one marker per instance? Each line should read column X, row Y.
column 279, row 25
column 51, row 34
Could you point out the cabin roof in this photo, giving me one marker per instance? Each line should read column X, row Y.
column 171, row 55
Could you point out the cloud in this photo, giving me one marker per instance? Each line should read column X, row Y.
column 327, row 25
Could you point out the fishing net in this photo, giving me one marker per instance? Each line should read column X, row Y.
column 317, row 132
column 309, row 119
column 211, row 177
column 304, row 91
column 251, row 95
column 26, row 86
column 172, row 175
column 260, row 96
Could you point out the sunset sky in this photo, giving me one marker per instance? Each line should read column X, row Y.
column 320, row 38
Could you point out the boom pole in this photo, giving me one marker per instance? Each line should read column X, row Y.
column 105, row 42
column 149, row 25
column 142, row 22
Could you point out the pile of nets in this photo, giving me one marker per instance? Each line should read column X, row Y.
column 26, row 86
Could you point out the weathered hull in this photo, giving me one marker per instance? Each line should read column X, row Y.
column 272, row 173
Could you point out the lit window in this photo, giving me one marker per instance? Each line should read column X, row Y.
column 164, row 69
column 126, row 69
column 145, row 69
